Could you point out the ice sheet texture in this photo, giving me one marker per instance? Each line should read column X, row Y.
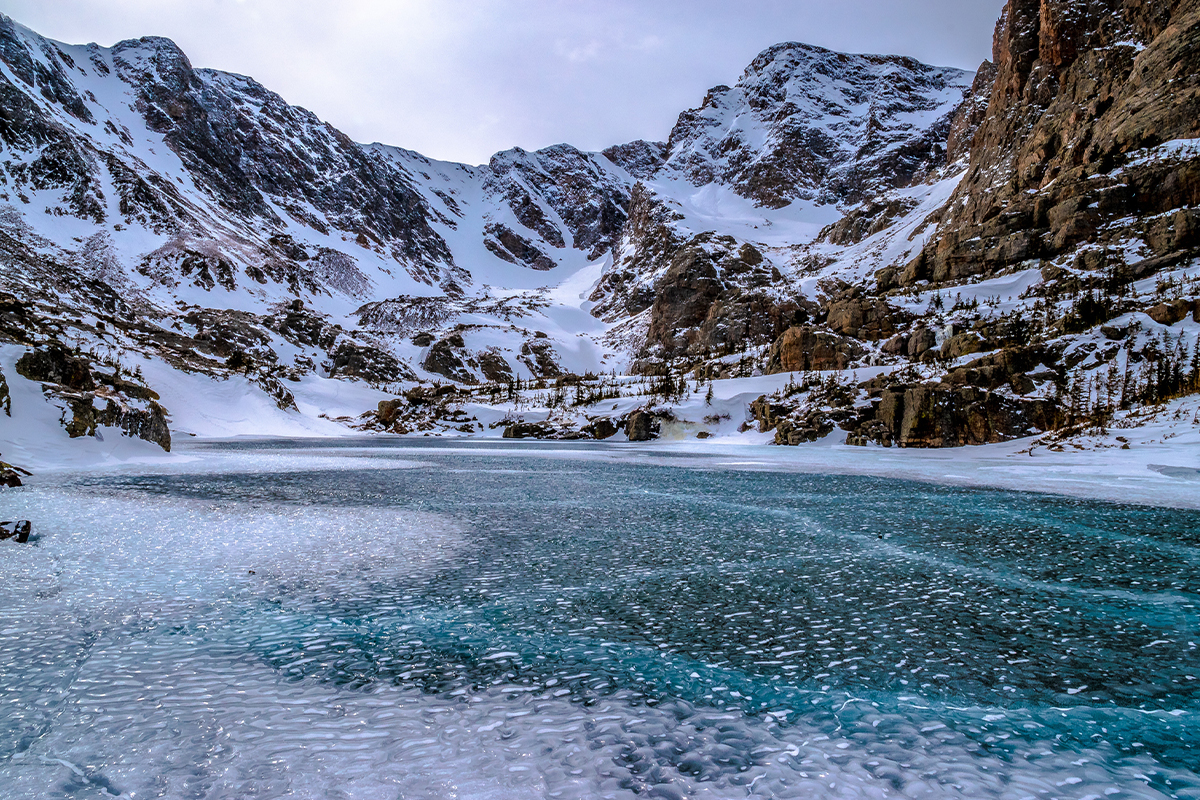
column 410, row 621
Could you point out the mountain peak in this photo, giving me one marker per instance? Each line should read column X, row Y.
column 805, row 122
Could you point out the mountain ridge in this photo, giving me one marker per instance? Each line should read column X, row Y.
column 813, row 217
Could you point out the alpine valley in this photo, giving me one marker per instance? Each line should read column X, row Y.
column 856, row 248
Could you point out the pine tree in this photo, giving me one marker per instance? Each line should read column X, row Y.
column 1195, row 366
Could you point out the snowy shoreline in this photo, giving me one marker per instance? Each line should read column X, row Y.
column 1166, row 475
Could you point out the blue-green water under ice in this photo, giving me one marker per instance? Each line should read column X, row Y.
column 447, row 621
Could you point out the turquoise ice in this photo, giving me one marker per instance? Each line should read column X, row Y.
column 412, row 620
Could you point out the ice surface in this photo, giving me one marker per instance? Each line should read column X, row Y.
column 409, row 620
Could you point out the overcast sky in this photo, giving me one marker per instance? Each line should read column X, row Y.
column 462, row 79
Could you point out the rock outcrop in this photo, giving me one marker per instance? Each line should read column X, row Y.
column 934, row 416
column 18, row 531
column 126, row 404
column 805, row 349
column 580, row 189
column 10, row 476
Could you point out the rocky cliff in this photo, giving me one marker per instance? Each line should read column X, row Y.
column 1074, row 150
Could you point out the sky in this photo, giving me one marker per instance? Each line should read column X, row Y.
column 462, row 79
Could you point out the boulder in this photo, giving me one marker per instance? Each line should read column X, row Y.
column 600, row 429
column 528, row 430
column 388, row 411
column 921, row 341
column 1114, row 333
column 962, row 344
column 642, row 426
column 426, row 395
column 19, row 531
column 896, row 346
column 1170, row 313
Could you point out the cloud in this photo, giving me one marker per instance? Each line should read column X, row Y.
column 461, row 79
column 577, row 54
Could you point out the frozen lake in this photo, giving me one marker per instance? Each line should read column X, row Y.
column 400, row 619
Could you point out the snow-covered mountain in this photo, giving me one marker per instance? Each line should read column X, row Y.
column 808, row 123
column 181, row 185
column 189, row 229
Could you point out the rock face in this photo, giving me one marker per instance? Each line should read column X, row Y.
column 641, row 159
column 246, row 143
column 684, row 295
column 1085, row 95
column 240, row 144
column 580, row 189
column 350, row 359
column 862, row 318
column 804, row 349
column 803, row 123
column 707, row 293
column 149, row 424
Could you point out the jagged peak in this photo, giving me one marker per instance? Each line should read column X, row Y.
column 793, row 56
column 137, row 59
